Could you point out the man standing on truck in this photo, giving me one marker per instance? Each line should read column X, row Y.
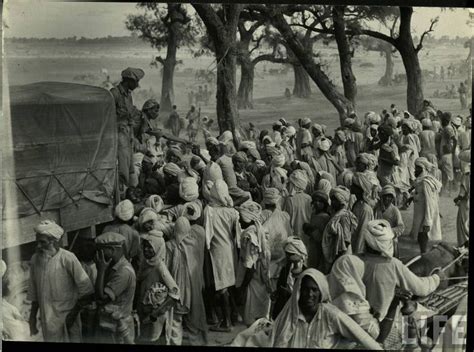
column 128, row 116
column 59, row 287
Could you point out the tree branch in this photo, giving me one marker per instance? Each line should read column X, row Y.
column 271, row 58
column 160, row 60
column 257, row 43
column 318, row 30
column 420, row 44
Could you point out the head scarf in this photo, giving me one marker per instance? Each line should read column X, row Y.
column 424, row 163
column 341, row 135
column 295, row 247
column 226, row 137
column 346, row 276
column 345, row 178
column 324, row 144
column 324, row 186
column 286, row 322
column 373, row 161
column 254, row 153
column 50, row 228
column 299, row 179
column 147, row 214
column 172, row 169
column 341, row 193
column 125, row 210
column 373, row 118
column 426, row 122
column 379, row 237
column 189, row 189
column 271, row 196
column 219, row 194
column 155, row 202
column 157, row 242
column 196, row 207
column 290, row 131
column 388, row 189
column 250, row 211
column 278, row 160
column 363, row 159
column 134, row 73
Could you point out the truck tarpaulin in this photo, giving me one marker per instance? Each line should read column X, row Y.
column 65, row 152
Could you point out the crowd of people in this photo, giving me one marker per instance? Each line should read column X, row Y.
column 292, row 224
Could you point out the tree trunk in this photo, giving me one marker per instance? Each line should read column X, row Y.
column 223, row 34
column 345, row 54
column 305, row 57
column 169, row 64
column 302, row 88
column 245, row 92
column 386, row 80
column 410, row 60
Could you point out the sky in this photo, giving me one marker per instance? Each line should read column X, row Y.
column 66, row 19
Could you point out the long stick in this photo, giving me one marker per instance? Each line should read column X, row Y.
column 456, row 278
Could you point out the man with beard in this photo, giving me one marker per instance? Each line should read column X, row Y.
column 59, row 287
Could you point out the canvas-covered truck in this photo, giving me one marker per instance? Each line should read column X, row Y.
column 64, row 165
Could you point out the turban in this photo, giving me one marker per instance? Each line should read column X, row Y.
column 306, row 121
column 363, row 180
column 193, row 210
column 267, row 138
column 348, row 122
column 290, row 131
column 162, row 227
column 283, row 122
column 379, row 237
column 261, row 163
column 278, row 160
column 189, row 189
column 253, row 152
column 239, row 157
column 424, row 163
column 388, row 189
column 182, row 226
column 299, row 179
column 374, row 127
column 3, row 267
column 212, row 141
column 341, row 135
column 457, row 121
column 356, row 126
column 387, row 129
column 248, row 145
column 149, row 104
column 124, row 210
column 317, row 127
column 277, row 123
column 373, row 161
column 133, row 73
column 110, row 239
column 50, row 228
column 147, row 214
column 225, row 137
column 410, row 124
column 250, row 211
column 219, row 194
column 345, row 178
column 341, row 193
column 157, row 242
column 205, row 119
column 273, row 150
column 327, row 176
column 373, row 118
column 324, row 144
column 295, row 247
column 309, row 172
column 363, row 159
column 465, row 156
column 321, row 195
column 172, row 169
column 426, row 122
column 271, row 196
column 155, row 202
column 324, row 186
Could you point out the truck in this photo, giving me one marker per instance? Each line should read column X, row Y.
column 59, row 163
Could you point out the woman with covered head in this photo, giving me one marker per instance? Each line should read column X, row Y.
column 186, row 262
column 157, row 292
column 384, row 273
column 253, row 272
column 221, row 223
column 309, row 320
column 426, row 220
column 339, row 230
column 298, row 203
column 296, row 256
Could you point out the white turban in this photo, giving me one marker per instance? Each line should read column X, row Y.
column 193, row 207
column 379, row 237
column 147, row 214
column 324, row 144
column 250, row 211
column 125, row 210
column 49, row 228
column 155, row 202
column 278, row 160
column 295, row 246
column 225, row 137
column 299, row 179
column 189, row 189
column 290, row 131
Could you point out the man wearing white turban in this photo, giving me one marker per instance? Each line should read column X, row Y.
column 59, row 287
column 427, row 138
column 298, row 203
column 221, row 223
column 304, row 141
column 325, row 161
column 122, row 224
column 426, row 219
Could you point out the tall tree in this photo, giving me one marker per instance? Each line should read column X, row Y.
column 164, row 26
column 221, row 23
